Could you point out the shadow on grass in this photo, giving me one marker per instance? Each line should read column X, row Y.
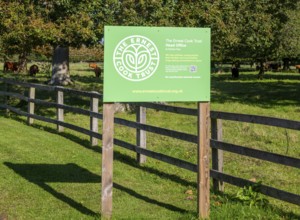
column 274, row 89
column 41, row 174
column 117, row 156
column 89, row 69
column 88, row 78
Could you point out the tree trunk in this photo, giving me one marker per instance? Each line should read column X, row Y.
column 60, row 67
column 220, row 68
column 22, row 63
column 261, row 69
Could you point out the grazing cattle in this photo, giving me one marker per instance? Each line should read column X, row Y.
column 298, row 68
column 273, row 66
column 93, row 65
column 234, row 71
column 33, row 70
column 97, row 71
column 12, row 66
column 96, row 68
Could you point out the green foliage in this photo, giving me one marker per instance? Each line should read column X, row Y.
column 23, row 28
column 26, row 26
column 240, row 29
column 85, row 54
column 259, row 27
column 289, row 37
column 250, row 195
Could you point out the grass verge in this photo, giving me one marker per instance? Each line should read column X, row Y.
column 58, row 176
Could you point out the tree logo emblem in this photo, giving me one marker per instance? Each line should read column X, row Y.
column 136, row 58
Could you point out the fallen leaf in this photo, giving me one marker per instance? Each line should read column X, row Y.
column 218, row 203
column 189, row 192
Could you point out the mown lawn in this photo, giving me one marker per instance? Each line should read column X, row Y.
column 57, row 176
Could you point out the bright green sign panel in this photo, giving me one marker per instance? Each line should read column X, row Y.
column 146, row 64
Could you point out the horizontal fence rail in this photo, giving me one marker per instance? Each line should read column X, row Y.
column 262, row 120
column 158, row 130
column 266, row 190
column 52, row 88
column 216, row 143
column 53, row 121
column 162, row 157
column 258, row 154
column 168, row 108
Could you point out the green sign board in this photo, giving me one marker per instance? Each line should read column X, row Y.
column 148, row 64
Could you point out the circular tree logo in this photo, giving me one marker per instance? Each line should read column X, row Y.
column 136, row 58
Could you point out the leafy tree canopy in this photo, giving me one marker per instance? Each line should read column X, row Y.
column 251, row 29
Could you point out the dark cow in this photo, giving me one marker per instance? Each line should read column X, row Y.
column 97, row 71
column 33, row 70
column 235, row 71
column 273, row 66
column 12, row 66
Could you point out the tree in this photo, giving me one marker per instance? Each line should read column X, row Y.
column 244, row 29
column 239, row 28
column 28, row 24
column 22, row 29
column 134, row 13
column 289, row 47
column 219, row 15
column 72, row 31
column 260, row 24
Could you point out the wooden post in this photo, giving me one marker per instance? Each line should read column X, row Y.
column 94, row 121
column 203, row 160
column 107, row 159
column 31, row 95
column 140, row 134
column 217, row 155
column 60, row 111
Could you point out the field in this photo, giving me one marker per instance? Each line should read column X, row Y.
column 57, row 176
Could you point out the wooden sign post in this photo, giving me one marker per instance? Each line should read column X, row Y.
column 107, row 159
column 154, row 64
column 203, row 160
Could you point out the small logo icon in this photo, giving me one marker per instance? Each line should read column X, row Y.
column 193, row 68
column 136, row 58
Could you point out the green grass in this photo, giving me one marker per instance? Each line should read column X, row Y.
column 57, row 176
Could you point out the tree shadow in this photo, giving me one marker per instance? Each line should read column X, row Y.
column 126, row 159
column 88, row 78
column 42, row 174
column 273, row 90
column 88, row 69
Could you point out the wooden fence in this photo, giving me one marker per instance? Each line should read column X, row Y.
column 216, row 143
